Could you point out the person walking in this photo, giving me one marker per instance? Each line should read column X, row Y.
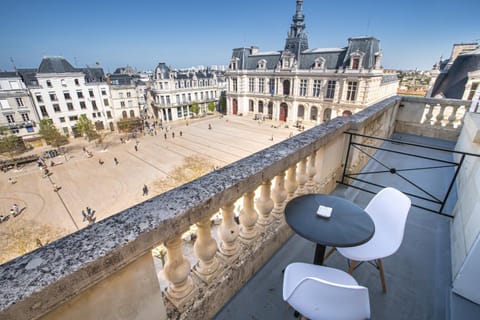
column 115, row 160
column 165, row 135
column 145, row 190
column 136, row 148
column 173, row 135
column 181, row 133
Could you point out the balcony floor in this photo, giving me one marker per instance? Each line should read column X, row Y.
column 418, row 276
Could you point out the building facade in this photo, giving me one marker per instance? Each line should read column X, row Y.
column 18, row 115
column 63, row 93
column 303, row 84
column 173, row 92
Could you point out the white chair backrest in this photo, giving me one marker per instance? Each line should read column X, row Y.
column 320, row 299
column 389, row 210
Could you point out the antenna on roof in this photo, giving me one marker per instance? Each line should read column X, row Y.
column 13, row 63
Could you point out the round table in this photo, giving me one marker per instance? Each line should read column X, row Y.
column 348, row 226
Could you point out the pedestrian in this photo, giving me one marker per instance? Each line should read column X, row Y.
column 145, row 190
column 136, row 148
column 12, row 180
column 209, row 126
column 181, row 133
column 15, row 210
column 116, row 161
column 100, row 161
column 55, row 187
column 165, row 135
column 84, row 215
column 173, row 135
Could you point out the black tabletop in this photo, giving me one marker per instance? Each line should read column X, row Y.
column 348, row 226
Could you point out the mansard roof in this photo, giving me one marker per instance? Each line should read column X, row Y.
column 9, row 74
column 367, row 47
column 451, row 84
column 55, row 65
column 93, row 74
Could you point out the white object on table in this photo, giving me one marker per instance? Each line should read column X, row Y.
column 324, row 212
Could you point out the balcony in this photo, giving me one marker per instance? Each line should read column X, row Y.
column 107, row 269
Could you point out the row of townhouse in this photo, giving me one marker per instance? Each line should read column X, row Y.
column 62, row 93
column 173, row 92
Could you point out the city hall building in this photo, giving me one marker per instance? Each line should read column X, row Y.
column 303, row 84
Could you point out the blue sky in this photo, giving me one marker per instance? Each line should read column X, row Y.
column 184, row 33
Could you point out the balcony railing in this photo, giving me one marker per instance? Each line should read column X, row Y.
column 107, row 270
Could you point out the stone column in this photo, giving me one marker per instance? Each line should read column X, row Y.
column 228, row 232
column 319, row 177
column 302, row 178
column 311, row 170
column 177, row 271
column 265, row 204
column 440, row 116
column 279, row 196
column 248, row 218
column 205, row 248
column 291, row 184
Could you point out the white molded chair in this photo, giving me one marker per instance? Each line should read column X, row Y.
column 389, row 210
column 319, row 292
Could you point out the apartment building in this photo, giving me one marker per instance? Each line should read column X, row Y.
column 17, row 111
column 174, row 91
column 63, row 93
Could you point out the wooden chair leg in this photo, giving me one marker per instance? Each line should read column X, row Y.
column 353, row 263
column 382, row 275
column 329, row 253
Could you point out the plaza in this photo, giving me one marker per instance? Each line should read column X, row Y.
column 108, row 189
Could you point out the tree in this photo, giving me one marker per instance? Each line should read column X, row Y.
column 86, row 127
column 11, row 144
column 211, row 106
column 128, row 125
column 195, row 108
column 50, row 133
column 223, row 103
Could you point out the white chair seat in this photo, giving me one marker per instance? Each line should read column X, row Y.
column 319, row 292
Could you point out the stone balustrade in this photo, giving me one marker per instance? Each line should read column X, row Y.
column 437, row 118
column 106, row 271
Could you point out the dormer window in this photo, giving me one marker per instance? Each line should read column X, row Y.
column 234, row 64
column 356, row 60
column 378, row 60
column 262, row 64
column 319, row 63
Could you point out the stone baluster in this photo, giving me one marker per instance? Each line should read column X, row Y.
column 311, row 170
column 205, row 248
column 429, row 114
column 177, row 271
column 452, row 117
column 319, row 176
column 248, row 218
column 265, row 204
column 291, row 184
column 302, row 178
column 279, row 196
column 440, row 116
column 228, row 233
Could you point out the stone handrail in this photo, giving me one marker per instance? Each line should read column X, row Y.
column 431, row 117
column 70, row 277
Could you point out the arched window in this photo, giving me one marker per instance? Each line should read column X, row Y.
column 260, row 106
column 327, row 114
column 313, row 114
column 356, row 60
column 250, row 105
column 301, row 112
column 124, row 114
column 132, row 114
